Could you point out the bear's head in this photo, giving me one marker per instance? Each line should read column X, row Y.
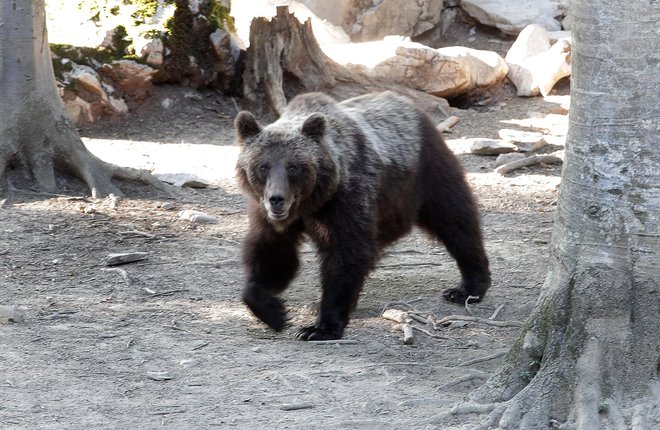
column 285, row 167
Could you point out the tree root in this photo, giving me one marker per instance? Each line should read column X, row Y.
column 54, row 147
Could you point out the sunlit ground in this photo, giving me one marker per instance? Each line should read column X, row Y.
column 211, row 163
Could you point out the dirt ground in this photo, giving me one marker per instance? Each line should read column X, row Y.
column 165, row 342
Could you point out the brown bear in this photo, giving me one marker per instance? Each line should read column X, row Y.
column 353, row 177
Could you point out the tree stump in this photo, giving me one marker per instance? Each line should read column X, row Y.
column 284, row 60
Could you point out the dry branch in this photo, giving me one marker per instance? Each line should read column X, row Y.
column 528, row 161
column 466, row 318
column 482, row 359
column 446, row 125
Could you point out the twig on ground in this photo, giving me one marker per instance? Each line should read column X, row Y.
column 497, row 311
column 333, row 342
column 467, row 303
column 433, row 335
column 296, row 406
column 528, row 161
column 123, row 274
column 136, row 233
column 482, row 359
column 165, row 293
column 474, row 374
column 397, row 265
column 453, row 318
column 420, row 319
column 408, row 335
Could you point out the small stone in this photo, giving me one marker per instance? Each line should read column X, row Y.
column 526, row 141
column 188, row 363
column 182, row 180
column 11, row 314
column 481, row 146
column 197, row 217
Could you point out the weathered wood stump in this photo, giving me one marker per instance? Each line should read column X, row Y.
column 284, row 59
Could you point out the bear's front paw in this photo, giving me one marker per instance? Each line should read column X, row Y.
column 458, row 295
column 315, row 333
column 268, row 309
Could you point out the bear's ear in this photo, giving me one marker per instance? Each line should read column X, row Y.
column 314, row 126
column 246, row 125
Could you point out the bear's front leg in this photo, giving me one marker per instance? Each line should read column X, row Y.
column 347, row 257
column 271, row 262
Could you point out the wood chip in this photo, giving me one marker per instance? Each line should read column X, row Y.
column 124, row 258
column 160, row 376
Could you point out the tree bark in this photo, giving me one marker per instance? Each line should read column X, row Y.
column 589, row 355
column 37, row 139
column 284, row 59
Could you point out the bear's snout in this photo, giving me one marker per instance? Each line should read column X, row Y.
column 276, row 203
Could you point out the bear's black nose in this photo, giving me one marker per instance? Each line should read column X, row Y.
column 277, row 202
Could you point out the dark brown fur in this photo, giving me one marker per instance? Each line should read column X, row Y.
column 324, row 177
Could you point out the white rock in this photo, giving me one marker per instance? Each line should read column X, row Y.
column 526, row 141
column 182, row 180
column 535, row 65
column 153, row 52
column 444, row 72
column 197, row 217
column 512, row 16
column 482, row 146
column 367, row 20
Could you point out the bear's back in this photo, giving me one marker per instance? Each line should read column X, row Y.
column 391, row 125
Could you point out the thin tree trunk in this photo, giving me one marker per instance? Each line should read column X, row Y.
column 589, row 355
column 37, row 139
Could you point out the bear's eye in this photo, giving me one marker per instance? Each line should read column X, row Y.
column 293, row 170
column 263, row 168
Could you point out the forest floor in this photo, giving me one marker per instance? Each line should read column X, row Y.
column 166, row 343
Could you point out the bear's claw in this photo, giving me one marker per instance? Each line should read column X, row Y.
column 314, row 333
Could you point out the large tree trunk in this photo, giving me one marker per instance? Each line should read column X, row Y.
column 284, row 59
column 37, row 139
column 589, row 354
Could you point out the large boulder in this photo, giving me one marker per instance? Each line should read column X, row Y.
column 132, row 80
column 535, row 63
column 86, row 98
column 361, row 20
column 512, row 17
column 444, row 72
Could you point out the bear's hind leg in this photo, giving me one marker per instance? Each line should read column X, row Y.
column 461, row 235
column 271, row 262
column 449, row 212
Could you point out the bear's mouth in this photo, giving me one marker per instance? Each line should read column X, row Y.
column 278, row 216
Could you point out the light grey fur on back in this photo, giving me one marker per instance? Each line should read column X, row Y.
column 388, row 123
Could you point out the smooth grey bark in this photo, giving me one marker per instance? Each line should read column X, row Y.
column 589, row 355
column 37, row 139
